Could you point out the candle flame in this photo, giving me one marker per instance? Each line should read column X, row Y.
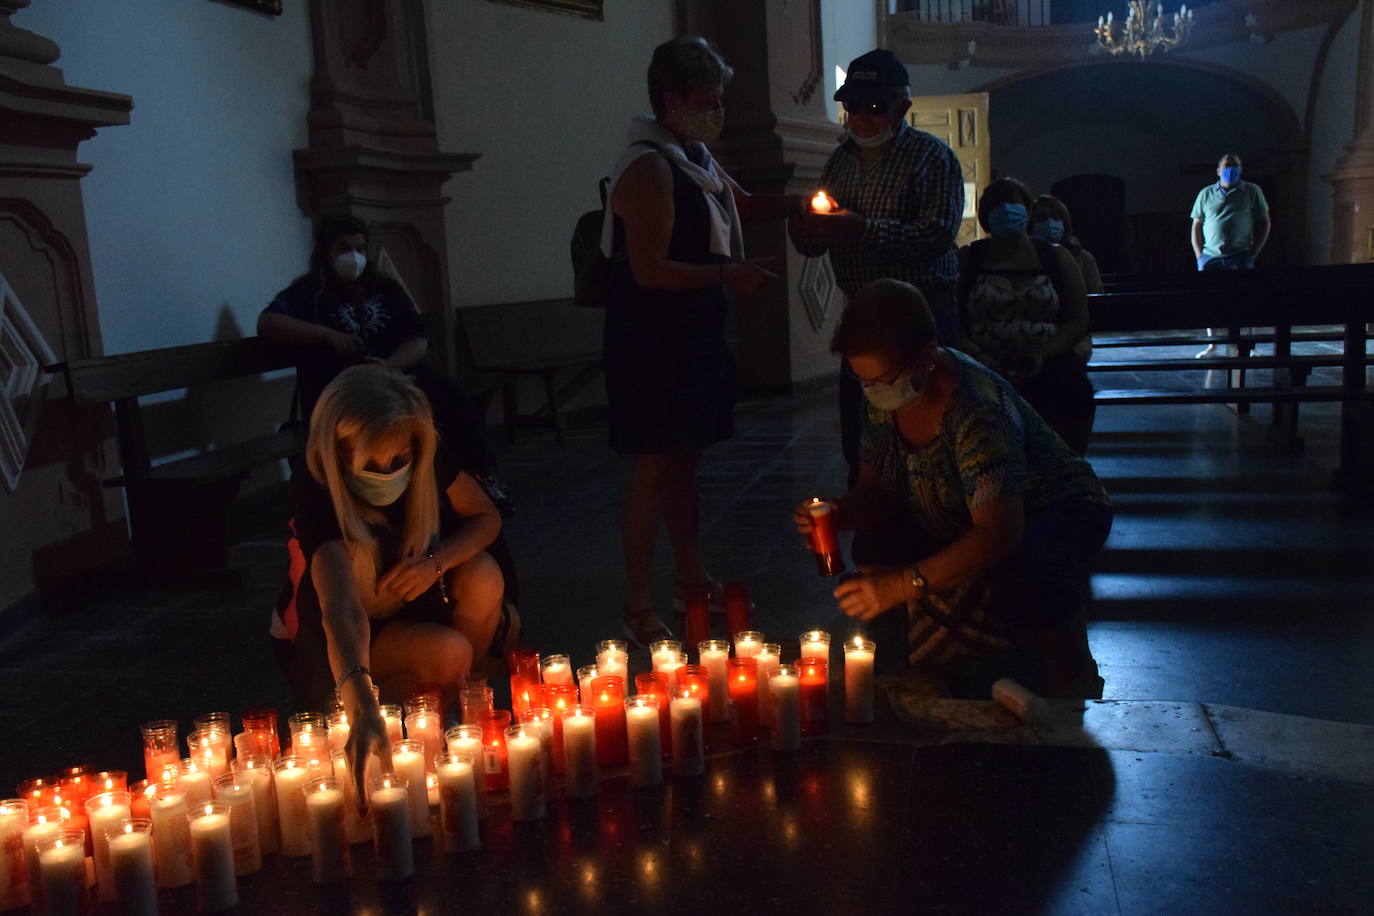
column 822, row 203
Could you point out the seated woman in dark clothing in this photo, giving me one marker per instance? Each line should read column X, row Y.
column 343, row 312
column 1024, row 313
column 974, row 521
column 397, row 588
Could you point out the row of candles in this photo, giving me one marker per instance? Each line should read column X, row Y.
column 209, row 818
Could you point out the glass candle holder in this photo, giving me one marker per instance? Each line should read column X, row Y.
column 425, row 726
column 389, row 802
column 475, row 701
column 663, row 651
column 459, row 773
column 195, row 777
column 61, row 861
column 429, row 697
column 139, row 793
column 825, row 541
column 290, row 776
column 324, row 802
column 102, row 812
column 408, row 762
column 525, row 755
column 338, row 728
column 467, row 739
column 541, row 719
column 394, row 717
column 557, row 669
column 212, row 857
column 234, row 790
column 858, row 679
column 357, row 826
column 494, row 725
column 608, row 699
column 769, row 659
column 784, row 700
column 210, row 748
column 743, row 687
column 257, row 769
column 37, row 791
column 524, row 673
column 814, row 643
column 585, row 675
column 696, row 680
column 14, row 885
column 214, row 721
column 815, row 696
column 613, row 657
column 309, row 734
column 685, row 712
column 109, row 781
column 643, row 741
column 654, row 684
column 579, row 751
column 130, row 844
column 160, row 749
column 262, row 725
column 714, row 653
column 74, row 783
column 169, row 811
column 42, row 824
column 748, row 643
column 737, row 607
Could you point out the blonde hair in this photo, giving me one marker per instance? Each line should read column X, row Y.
column 362, row 406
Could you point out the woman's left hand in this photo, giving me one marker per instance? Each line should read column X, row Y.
column 873, row 591
column 409, row 579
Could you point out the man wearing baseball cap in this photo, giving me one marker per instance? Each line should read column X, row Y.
column 900, row 197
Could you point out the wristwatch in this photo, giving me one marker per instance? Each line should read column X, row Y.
column 918, row 581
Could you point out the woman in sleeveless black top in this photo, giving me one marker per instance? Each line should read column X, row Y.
column 670, row 379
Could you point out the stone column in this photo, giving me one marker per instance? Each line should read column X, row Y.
column 57, row 518
column 776, row 140
column 1352, row 182
column 374, row 152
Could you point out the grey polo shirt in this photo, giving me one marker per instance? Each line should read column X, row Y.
column 1228, row 217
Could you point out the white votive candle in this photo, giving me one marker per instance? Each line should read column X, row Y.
column 105, row 811
column 769, row 659
column 785, row 699
column 613, row 657
column 579, row 752
column 290, row 775
column 585, row 675
column 390, row 806
column 525, row 757
column 467, row 739
column 43, row 825
column 131, row 865
column 235, row 792
column 394, row 717
column 256, row 769
column 408, row 762
column 684, row 713
column 858, row 679
column 557, row 670
column 194, row 779
column 62, row 873
column 458, row 801
column 14, row 878
column 644, row 744
column 357, row 827
column 715, row 654
column 427, row 728
column 662, row 653
column 212, row 857
column 324, row 803
column 339, row 728
column 815, row 643
column 168, row 810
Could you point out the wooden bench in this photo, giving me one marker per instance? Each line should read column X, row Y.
column 179, row 510
column 550, row 340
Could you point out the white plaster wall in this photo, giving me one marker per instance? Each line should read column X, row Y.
column 1333, row 126
column 191, row 208
column 848, row 28
column 545, row 99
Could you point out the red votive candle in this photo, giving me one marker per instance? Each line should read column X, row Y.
column 608, row 699
column 743, row 680
column 37, row 792
column 697, row 605
column 561, row 698
column 262, row 725
column 815, row 696
column 736, row 608
column 825, row 543
column 494, row 723
column 524, row 673
column 655, row 684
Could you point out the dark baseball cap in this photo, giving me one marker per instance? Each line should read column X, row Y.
column 872, row 73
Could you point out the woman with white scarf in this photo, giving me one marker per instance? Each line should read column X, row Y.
column 670, row 379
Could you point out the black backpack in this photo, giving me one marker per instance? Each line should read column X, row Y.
column 591, row 269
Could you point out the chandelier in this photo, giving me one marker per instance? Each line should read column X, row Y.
column 1142, row 33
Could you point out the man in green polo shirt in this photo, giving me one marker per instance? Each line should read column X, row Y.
column 1230, row 223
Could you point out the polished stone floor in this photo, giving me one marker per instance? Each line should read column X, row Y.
column 1234, row 772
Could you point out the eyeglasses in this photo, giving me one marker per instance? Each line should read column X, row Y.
column 871, row 382
column 867, row 106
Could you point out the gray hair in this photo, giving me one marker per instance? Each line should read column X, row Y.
column 683, row 64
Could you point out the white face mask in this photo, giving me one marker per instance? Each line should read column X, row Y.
column 376, row 488
column 878, row 139
column 350, row 264
column 890, row 396
column 698, row 126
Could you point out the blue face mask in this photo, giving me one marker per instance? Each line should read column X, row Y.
column 376, row 488
column 1230, row 174
column 1007, row 220
column 1051, row 230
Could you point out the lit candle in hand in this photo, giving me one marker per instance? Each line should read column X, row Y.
column 822, row 203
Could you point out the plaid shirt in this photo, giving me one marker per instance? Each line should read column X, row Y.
column 914, row 199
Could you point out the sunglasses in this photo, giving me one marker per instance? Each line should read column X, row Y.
column 867, row 106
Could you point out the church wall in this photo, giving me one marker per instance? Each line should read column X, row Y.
column 545, row 99
column 848, row 29
column 1333, row 126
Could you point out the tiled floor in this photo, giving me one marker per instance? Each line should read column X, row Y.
column 1233, row 576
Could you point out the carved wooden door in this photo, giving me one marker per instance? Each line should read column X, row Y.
column 962, row 122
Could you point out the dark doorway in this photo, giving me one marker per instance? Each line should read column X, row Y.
column 1098, row 206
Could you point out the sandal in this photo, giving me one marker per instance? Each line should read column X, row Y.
column 643, row 626
column 508, row 632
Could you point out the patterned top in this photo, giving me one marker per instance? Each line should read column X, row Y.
column 1009, row 317
column 913, row 198
column 991, row 445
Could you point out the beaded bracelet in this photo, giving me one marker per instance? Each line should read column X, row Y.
column 439, row 575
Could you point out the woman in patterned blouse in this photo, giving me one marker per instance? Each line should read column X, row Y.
column 970, row 514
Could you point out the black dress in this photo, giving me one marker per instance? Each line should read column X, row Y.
column 670, row 378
